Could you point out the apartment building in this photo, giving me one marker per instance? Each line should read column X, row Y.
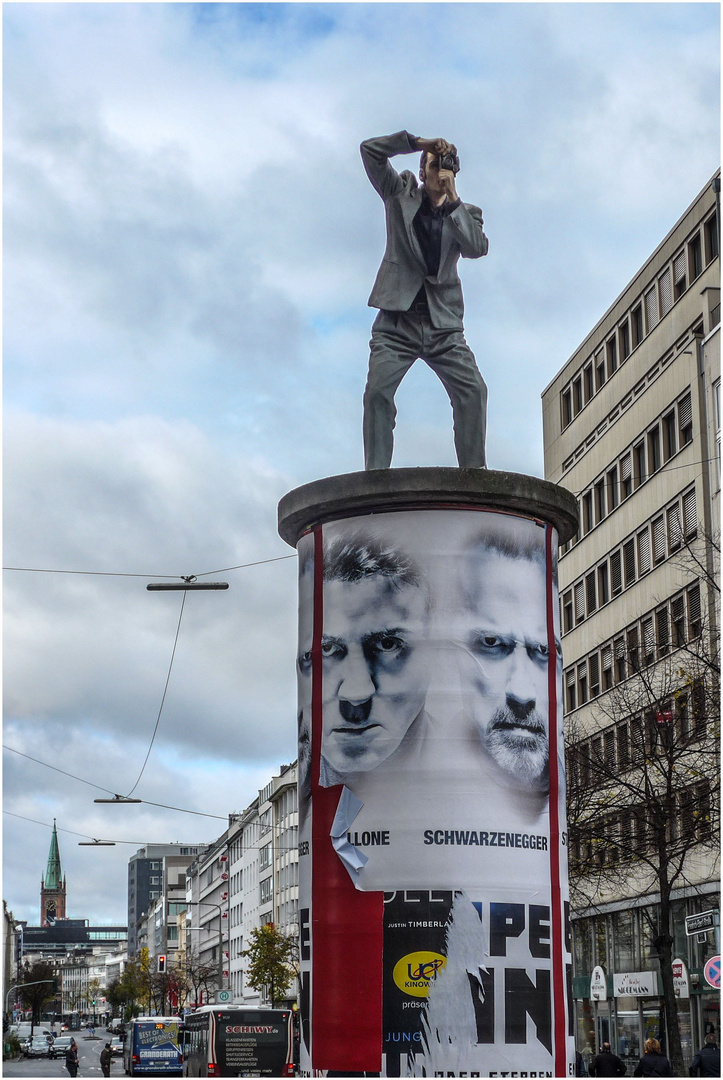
column 632, row 427
column 249, row 876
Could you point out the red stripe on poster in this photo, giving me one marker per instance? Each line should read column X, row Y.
column 558, row 966
column 347, row 925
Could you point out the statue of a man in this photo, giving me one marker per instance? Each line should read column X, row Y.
column 419, row 294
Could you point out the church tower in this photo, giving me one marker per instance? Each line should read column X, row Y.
column 52, row 886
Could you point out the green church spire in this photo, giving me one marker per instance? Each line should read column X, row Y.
column 53, row 873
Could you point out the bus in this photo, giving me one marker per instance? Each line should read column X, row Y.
column 152, row 1045
column 238, row 1041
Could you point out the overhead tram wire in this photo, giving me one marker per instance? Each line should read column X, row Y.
column 170, row 577
column 133, row 843
column 146, row 802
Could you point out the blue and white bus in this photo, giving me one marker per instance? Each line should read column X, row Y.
column 152, row 1046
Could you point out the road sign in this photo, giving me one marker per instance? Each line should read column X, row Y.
column 712, row 972
column 701, row 923
column 223, row 997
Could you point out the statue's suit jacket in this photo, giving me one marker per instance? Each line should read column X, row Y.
column 403, row 269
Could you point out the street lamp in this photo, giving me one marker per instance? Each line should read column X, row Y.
column 208, row 903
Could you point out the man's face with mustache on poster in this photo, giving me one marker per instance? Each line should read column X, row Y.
column 505, row 636
column 375, row 665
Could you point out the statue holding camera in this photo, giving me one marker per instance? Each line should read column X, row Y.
column 419, row 294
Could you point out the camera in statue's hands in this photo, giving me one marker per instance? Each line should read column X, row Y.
column 449, row 160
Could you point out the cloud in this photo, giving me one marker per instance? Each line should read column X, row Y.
column 190, row 241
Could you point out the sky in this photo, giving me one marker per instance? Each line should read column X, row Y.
column 189, row 244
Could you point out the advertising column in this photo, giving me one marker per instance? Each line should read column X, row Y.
column 433, row 867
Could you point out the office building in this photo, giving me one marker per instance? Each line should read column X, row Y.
column 632, row 427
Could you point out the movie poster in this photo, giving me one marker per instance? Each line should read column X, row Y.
column 433, row 866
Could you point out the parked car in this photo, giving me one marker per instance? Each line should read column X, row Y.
column 60, row 1045
column 116, row 1045
column 39, row 1046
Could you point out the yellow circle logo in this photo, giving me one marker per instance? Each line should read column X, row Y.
column 414, row 973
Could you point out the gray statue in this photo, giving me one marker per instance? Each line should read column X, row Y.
column 419, row 294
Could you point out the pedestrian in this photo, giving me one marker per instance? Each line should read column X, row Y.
column 606, row 1063
column 707, row 1061
column 653, row 1062
column 106, row 1057
column 71, row 1058
column 579, row 1064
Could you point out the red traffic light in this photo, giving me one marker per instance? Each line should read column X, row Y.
column 161, row 964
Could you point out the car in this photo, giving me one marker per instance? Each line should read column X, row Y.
column 116, row 1045
column 60, row 1045
column 38, row 1046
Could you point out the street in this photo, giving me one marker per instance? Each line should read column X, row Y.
column 88, row 1053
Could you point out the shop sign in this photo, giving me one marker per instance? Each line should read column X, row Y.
column 598, row 985
column 636, row 984
column 680, row 979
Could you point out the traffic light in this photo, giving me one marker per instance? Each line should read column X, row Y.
column 161, row 964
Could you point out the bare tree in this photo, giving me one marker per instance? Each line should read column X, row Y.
column 200, row 976
column 643, row 776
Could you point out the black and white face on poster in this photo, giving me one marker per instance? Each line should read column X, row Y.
column 438, row 666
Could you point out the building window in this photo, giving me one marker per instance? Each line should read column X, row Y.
column 662, row 630
column 587, row 512
column 629, row 562
column 626, row 476
column 654, row 449
column 567, row 611
column 694, row 611
column 589, row 387
column 571, row 704
column 577, row 395
column 579, row 603
column 677, row 611
column 685, row 420
column 648, row 641
column 607, row 667
column 612, row 355
column 711, row 238
column 679, row 279
column 637, row 321
column 612, row 479
column 669, row 440
column 566, row 407
column 675, row 537
column 265, row 890
column 690, row 517
column 644, row 551
column 599, row 501
column 590, row 592
column 620, row 672
column 616, row 574
column 658, row 539
column 651, row 308
column 625, row 340
column 666, row 292
column 600, row 370
column 696, row 257
column 639, row 456
column 594, row 665
column 582, row 683
column 265, row 857
column 633, row 649
column 602, row 584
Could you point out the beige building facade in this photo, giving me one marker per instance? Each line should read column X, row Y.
column 632, row 427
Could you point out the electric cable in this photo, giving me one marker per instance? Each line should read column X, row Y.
column 170, row 577
column 165, row 691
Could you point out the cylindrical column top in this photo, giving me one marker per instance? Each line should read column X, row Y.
column 380, row 490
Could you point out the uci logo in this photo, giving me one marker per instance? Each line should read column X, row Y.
column 414, row 973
